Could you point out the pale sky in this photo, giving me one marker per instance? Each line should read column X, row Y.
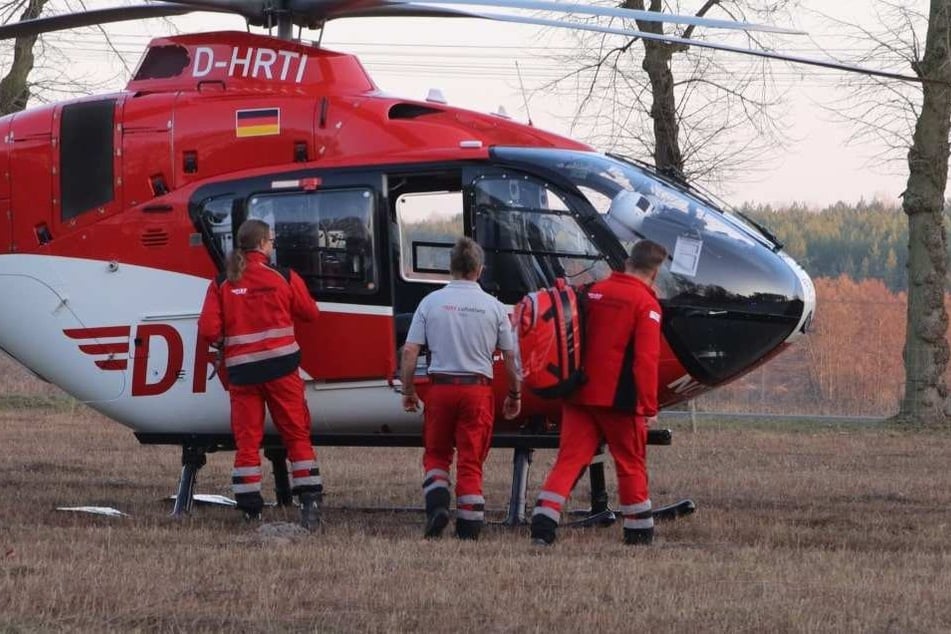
column 473, row 63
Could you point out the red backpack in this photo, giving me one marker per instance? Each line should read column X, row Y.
column 549, row 329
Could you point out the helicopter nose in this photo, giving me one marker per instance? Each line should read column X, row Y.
column 807, row 291
column 742, row 306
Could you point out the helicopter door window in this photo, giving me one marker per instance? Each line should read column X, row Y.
column 215, row 223
column 325, row 236
column 530, row 238
column 429, row 225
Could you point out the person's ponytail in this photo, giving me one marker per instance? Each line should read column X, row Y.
column 250, row 236
column 235, row 265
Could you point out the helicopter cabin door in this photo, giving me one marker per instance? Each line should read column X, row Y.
column 425, row 220
column 329, row 229
column 529, row 232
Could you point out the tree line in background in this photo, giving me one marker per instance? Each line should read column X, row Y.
column 865, row 240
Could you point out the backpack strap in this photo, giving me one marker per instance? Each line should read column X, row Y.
column 283, row 270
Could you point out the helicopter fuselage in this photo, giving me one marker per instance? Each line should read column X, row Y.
column 116, row 210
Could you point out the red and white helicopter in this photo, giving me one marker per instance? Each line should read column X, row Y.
column 116, row 210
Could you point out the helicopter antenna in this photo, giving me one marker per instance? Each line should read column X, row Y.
column 524, row 95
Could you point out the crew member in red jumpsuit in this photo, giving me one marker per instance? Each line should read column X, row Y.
column 250, row 311
column 463, row 326
column 618, row 402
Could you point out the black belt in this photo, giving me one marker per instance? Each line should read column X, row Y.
column 459, row 379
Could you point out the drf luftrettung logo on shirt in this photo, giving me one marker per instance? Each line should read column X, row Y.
column 463, row 309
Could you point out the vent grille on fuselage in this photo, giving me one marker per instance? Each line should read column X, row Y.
column 154, row 237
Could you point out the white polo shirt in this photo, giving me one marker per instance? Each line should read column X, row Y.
column 463, row 327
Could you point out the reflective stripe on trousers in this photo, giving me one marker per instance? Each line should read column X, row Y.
column 549, row 504
column 470, row 507
column 637, row 515
column 306, row 473
column 246, row 479
column 435, row 479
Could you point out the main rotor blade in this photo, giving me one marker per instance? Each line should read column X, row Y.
column 90, row 18
column 409, row 9
column 616, row 12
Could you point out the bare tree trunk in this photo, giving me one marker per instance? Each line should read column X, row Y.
column 14, row 87
column 926, row 347
column 657, row 55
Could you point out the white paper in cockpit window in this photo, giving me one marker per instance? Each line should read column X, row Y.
column 686, row 256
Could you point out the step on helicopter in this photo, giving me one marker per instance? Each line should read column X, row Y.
column 116, row 210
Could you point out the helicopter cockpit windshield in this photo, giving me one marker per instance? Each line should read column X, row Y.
column 729, row 296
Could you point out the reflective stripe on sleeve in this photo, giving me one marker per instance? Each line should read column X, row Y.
column 248, row 487
column 263, row 355
column 254, row 337
column 239, row 472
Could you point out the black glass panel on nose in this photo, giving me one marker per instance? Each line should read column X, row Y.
column 729, row 298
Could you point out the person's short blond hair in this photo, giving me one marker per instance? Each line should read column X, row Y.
column 466, row 257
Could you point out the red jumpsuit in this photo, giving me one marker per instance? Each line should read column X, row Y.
column 255, row 320
column 621, row 353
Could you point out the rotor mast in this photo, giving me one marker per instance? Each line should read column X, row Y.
column 279, row 15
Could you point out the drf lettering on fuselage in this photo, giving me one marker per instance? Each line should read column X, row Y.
column 686, row 386
column 253, row 62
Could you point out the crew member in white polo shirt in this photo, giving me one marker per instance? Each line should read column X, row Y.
column 463, row 326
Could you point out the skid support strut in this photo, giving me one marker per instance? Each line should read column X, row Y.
column 599, row 514
column 282, row 480
column 193, row 459
column 521, row 464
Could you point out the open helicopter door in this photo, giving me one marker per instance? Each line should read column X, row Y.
column 426, row 218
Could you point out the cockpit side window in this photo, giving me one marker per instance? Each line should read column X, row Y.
column 325, row 236
column 530, row 237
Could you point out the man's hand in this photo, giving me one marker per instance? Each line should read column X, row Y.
column 410, row 402
column 511, row 407
column 651, row 421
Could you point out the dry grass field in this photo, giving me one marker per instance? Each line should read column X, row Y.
column 801, row 528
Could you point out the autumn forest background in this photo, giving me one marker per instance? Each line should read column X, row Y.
column 851, row 363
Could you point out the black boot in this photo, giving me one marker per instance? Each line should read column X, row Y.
column 437, row 512
column 250, row 504
column 638, row 536
column 543, row 530
column 468, row 529
column 310, row 509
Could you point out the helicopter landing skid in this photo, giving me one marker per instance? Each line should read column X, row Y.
column 194, row 458
column 607, row 517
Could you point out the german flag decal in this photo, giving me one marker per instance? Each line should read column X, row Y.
column 260, row 122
